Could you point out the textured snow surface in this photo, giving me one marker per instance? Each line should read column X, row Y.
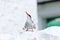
column 51, row 33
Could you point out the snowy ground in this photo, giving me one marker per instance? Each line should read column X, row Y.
column 51, row 33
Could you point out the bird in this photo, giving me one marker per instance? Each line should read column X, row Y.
column 29, row 24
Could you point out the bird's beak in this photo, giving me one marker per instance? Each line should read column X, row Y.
column 27, row 13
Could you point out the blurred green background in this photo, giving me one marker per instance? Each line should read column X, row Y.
column 53, row 21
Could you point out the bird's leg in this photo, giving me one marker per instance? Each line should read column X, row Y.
column 32, row 30
column 27, row 29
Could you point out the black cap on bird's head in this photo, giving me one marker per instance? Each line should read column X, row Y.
column 28, row 15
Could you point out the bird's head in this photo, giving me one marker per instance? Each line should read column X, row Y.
column 28, row 15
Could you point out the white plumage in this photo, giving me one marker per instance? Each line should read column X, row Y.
column 29, row 23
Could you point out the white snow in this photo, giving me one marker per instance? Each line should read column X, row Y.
column 51, row 33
